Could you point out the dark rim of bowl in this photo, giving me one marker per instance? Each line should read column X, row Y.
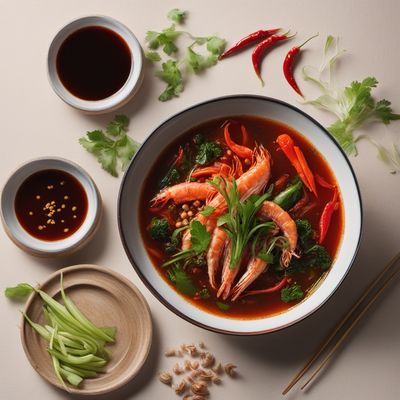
column 150, row 286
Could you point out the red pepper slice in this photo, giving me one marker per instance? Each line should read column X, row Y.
column 179, row 157
column 326, row 216
column 241, row 151
column 323, row 183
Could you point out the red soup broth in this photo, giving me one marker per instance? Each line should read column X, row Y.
column 261, row 131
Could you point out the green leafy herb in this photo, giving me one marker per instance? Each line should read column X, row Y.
column 222, row 306
column 172, row 76
column 304, row 233
column 208, row 152
column 19, row 292
column 290, row 195
column 240, row 221
column 291, row 293
column 159, row 229
column 208, row 210
column 172, row 70
column 181, row 280
column 152, row 56
column 109, row 150
column 171, row 178
column 353, row 105
column 318, row 256
column 177, row 15
column 200, row 239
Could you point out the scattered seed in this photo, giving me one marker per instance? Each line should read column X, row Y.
column 30, row 213
column 198, row 397
column 197, row 203
column 170, row 353
column 74, row 216
column 183, row 214
column 206, row 375
column 62, row 205
column 218, row 369
column 62, row 183
column 178, row 224
column 58, row 209
column 230, row 369
column 208, row 361
column 178, row 369
column 185, row 207
column 199, row 388
column 190, row 213
column 40, row 227
column 37, row 197
column 185, row 222
column 188, row 365
column 180, row 387
column 74, row 208
column 66, row 197
column 62, row 221
column 194, row 365
column 188, row 397
column 165, row 377
column 216, row 380
column 66, row 230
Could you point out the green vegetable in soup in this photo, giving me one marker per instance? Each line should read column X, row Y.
column 318, row 256
column 159, row 229
column 181, row 280
column 304, row 233
column 208, row 152
column 171, row 178
column 291, row 293
column 290, row 195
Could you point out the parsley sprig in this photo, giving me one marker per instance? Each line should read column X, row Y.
column 112, row 147
column 174, row 71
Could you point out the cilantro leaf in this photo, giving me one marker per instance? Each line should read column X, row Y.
column 108, row 151
column 353, row 105
column 216, row 45
column 291, row 293
column 172, row 76
column 177, row 15
column 222, row 306
column 166, row 38
column 19, row 292
column 153, row 39
column 118, row 125
column 152, row 56
column 208, row 152
column 181, row 280
column 197, row 63
column 199, row 236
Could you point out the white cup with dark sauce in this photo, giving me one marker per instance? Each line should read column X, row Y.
column 95, row 64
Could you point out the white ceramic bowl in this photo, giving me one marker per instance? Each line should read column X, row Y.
column 131, row 85
column 45, row 248
column 166, row 133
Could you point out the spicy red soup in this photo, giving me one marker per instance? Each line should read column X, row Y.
column 243, row 216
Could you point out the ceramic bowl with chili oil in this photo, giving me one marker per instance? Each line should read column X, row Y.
column 50, row 207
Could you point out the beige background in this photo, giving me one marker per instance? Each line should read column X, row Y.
column 34, row 122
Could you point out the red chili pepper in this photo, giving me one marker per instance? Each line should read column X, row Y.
column 249, row 39
column 261, row 48
column 241, row 151
column 288, row 63
column 179, row 157
column 280, row 285
column 326, row 215
column 323, row 183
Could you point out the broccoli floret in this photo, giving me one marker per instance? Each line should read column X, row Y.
column 291, row 293
column 319, row 257
column 208, row 152
column 304, row 233
column 159, row 229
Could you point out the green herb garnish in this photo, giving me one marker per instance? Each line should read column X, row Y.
column 208, row 152
column 222, row 306
column 208, row 210
column 181, row 280
column 353, row 105
column 291, row 293
column 173, row 71
column 170, row 178
column 159, row 229
column 290, row 195
column 19, row 292
column 111, row 146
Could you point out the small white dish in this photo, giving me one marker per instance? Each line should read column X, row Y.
column 125, row 93
column 37, row 246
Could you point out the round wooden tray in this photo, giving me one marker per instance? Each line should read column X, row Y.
column 107, row 299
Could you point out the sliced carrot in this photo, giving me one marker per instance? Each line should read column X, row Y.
column 241, row 151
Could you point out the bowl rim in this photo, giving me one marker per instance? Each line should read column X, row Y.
column 128, row 89
column 150, row 286
column 63, row 248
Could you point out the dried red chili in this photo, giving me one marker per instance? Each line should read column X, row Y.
column 288, row 63
column 261, row 48
column 326, row 216
column 249, row 39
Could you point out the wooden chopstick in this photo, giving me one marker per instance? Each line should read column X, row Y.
column 342, row 322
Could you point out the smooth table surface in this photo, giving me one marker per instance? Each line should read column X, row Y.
column 35, row 123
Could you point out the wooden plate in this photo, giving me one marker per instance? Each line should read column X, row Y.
column 107, row 299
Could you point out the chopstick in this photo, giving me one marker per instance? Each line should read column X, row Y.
column 342, row 322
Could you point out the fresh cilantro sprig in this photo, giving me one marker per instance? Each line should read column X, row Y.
column 112, row 147
column 353, row 105
column 174, row 72
column 182, row 281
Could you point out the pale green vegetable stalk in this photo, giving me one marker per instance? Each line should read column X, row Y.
column 353, row 105
column 76, row 345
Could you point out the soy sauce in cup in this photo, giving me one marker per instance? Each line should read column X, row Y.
column 93, row 62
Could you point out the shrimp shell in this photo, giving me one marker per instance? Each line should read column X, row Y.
column 214, row 254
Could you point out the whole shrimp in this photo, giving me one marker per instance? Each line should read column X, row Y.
column 183, row 192
column 256, row 267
